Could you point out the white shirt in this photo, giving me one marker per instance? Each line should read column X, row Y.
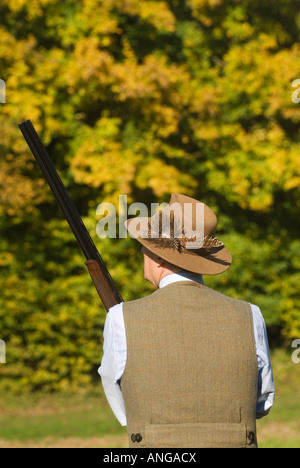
column 115, row 354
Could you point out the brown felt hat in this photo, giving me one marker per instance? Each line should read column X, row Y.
column 183, row 234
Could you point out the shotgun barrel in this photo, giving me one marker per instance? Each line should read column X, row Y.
column 106, row 288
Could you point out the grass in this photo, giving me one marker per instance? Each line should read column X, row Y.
column 281, row 429
column 58, row 420
column 51, row 420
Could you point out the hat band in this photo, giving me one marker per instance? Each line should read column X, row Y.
column 182, row 243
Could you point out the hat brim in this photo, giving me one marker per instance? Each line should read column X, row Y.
column 214, row 262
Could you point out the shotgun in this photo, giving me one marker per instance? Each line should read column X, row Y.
column 103, row 282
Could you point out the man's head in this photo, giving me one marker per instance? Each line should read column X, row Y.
column 182, row 234
column 155, row 268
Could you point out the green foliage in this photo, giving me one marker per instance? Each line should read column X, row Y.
column 142, row 98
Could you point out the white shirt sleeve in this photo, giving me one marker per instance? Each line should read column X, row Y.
column 114, row 361
column 266, row 388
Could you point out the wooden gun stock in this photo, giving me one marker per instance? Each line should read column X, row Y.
column 101, row 284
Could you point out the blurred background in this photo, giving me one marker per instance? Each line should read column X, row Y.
column 141, row 98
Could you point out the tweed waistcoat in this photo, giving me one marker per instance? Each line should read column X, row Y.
column 191, row 372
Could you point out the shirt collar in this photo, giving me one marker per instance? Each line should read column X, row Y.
column 175, row 277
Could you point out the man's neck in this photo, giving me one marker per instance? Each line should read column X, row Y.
column 180, row 276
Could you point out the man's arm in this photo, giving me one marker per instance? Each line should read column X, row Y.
column 114, row 361
column 266, row 388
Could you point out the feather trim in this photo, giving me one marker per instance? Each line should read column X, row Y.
column 166, row 232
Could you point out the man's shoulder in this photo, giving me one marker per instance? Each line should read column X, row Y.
column 214, row 294
column 141, row 301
